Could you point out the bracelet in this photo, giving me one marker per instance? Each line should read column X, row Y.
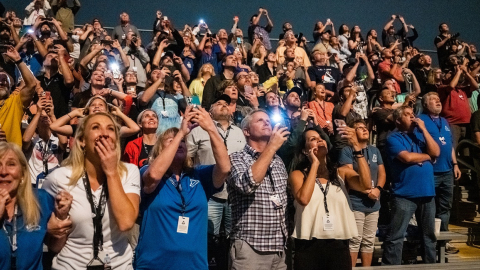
column 357, row 152
column 379, row 188
column 69, row 116
column 68, row 217
column 18, row 62
column 359, row 156
column 110, row 93
column 455, row 164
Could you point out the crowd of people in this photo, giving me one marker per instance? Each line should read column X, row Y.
column 201, row 150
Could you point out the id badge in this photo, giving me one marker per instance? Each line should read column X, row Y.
column 123, row 36
column 134, row 69
column 276, row 201
column 327, row 223
column 183, row 224
column 40, row 180
column 442, row 140
column 164, row 114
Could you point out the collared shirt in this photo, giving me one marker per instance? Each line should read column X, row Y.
column 200, row 147
column 255, row 218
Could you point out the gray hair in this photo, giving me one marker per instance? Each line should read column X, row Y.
column 399, row 111
column 426, row 97
column 248, row 118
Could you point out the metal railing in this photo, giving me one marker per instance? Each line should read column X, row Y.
column 473, row 148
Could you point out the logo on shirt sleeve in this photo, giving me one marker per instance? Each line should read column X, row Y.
column 446, row 128
column 193, row 182
column 374, row 158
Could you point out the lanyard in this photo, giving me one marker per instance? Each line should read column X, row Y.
column 325, row 192
column 97, row 214
column 146, row 149
column 324, row 108
column 435, row 122
column 13, row 239
column 226, row 135
column 163, row 99
column 179, row 188
column 271, row 180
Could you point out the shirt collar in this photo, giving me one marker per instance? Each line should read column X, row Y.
column 252, row 152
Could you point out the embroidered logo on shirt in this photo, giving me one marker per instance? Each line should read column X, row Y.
column 374, row 158
column 193, row 182
column 31, row 228
column 446, row 128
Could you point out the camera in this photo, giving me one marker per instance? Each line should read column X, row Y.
column 456, row 35
column 134, row 39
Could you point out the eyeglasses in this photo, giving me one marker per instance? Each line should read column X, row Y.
column 242, row 76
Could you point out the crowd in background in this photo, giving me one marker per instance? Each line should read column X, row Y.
column 202, row 150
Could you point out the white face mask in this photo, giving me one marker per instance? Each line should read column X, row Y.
column 76, row 38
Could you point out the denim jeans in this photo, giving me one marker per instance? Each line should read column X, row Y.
column 402, row 211
column 443, row 197
column 216, row 211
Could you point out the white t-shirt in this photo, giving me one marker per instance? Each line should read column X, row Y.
column 54, row 155
column 78, row 250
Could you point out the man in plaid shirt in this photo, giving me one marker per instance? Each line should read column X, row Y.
column 257, row 189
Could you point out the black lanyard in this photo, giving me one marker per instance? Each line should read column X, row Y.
column 13, row 240
column 271, row 179
column 163, row 99
column 97, row 214
column 146, row 149
column 179, row 188
column 226, row 135
column 325, row 192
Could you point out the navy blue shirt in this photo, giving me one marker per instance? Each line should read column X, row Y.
column 409, row 180
column 440, row 131
column 360, row 201
column 160, row 246
column 29, row 238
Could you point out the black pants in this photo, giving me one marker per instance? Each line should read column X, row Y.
column 322, row 254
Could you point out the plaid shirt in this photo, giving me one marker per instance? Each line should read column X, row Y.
column 255, row 219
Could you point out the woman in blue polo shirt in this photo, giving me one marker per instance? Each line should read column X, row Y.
column 24, row 213
column 173, row 234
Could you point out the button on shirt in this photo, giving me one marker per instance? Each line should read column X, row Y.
column 255, row 218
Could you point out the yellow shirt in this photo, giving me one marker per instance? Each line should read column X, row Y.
column 11, row 115
column 300, row 55
column 196, row 88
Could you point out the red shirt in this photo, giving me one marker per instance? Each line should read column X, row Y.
column 386, row 66
column 455, row 107
column 133, row 151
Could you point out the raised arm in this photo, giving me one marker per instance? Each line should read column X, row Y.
column 222, row 161
column 390, row 23
column 159, row 166
column 28, row 90
column 130, row 128
column 433, row 150
column 148, row 94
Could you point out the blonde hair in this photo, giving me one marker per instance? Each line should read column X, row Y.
column 25, row 198
column 158, row 148
column 202, row 70
column 431, row 75
column 76, row 159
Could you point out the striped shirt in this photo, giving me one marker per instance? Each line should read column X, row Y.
column 255, row 218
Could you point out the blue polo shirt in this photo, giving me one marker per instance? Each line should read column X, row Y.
column 409, row 180
column 360, row 201
column 29, row 238
column 440, row 131
column 160, row 246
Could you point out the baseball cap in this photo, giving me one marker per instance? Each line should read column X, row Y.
column 224, row 97
column 294, row 89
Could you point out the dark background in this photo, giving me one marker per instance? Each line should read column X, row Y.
column 425, row 15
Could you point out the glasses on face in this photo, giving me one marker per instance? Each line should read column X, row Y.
column 242, row 77
column 361, row 127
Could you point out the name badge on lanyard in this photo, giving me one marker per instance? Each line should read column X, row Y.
column 182, row 226
column 328, row 222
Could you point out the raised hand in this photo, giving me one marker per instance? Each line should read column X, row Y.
column 278, row 137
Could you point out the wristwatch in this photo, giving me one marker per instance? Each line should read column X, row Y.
column 379, row 188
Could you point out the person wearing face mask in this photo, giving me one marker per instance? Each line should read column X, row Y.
column 43, row 149
column 29, row 217
column 175, row 198
column 96, row 104
column 106, row 197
